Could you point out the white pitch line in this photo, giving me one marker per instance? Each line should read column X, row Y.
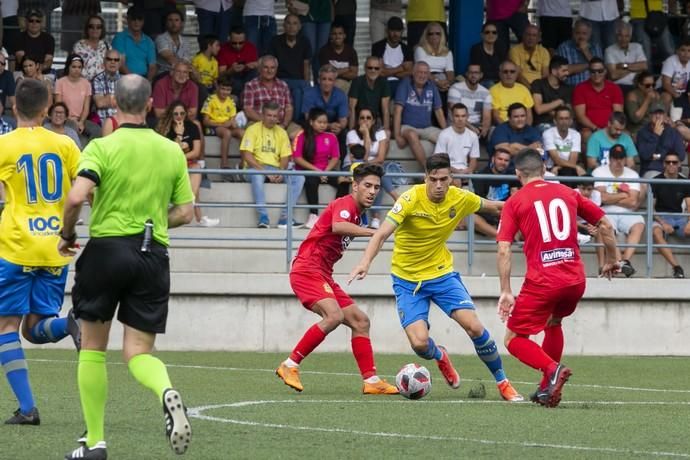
column 352, row 374
column 196, row 412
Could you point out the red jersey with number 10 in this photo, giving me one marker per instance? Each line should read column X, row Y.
column 546, row 215
column 323, row 248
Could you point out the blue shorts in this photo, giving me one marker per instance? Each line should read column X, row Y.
column 38, row 290
column 414, row 298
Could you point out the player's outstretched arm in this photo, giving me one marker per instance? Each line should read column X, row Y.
column 360, row 271
column 491, row 207
column 80, row 191
column 608, row 237
column 350, row 229
column 506, row 300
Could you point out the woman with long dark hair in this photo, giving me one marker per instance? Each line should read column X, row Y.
column 92, row 47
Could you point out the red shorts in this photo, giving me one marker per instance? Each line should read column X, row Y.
column 312, row 286
column 536, row 304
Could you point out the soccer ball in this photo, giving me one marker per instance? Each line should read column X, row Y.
column 413, row 381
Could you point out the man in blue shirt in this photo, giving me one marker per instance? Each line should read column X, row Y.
column 137, row 50
column 600, row 143
column 515, row 134
column 579, row 51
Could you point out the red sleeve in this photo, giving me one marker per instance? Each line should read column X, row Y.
column 616, row 94
column 578, row 95
column 588, row 210
column 249, row 52
column 158, row 95
column 344, row 211
column 223, row 57
column 298, row 148
column 507, row 227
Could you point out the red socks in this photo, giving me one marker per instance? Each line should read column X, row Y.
column 309, row 341
column 364, row 355
column 553, row 342
column 531, row 354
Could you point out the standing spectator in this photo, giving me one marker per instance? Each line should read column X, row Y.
column 155, row 12
column 266, row 146
column 92, row 47
column 555, row 22
column 620, row 197
column 329, row 98
column 460, row 143
column 656, row 139
column 36, row 43
column 205, row 62
column 137, row 50
column 531, row 58
column 624, row 60
column 488, row 55
column 507, row 92
column 170, row 45
column 316, row 26
column 177, row 85
column 380, row 13
column 563, row 145
column 7, row 84
column 670, row 199
column 675, row 74
column 75, row 91
column 103, row 87
column 596, row 99
column 642, row 101
column 515, row 134
column 76, row 15
column 345, row 13
column 601, row 143
column 259, row 22
column 601, row 16
column 239, row 58
column 10, row 26
column 219, row 114
column 58, row 114
column 214, row 17
column 371, row 91
column 317, row 150
column 264, row 88
column 433, row 49
column 475, row 97
column 662, row 40
column 397, row 57
column 341, row 56
column 415, row 100
column 551, row 92
column 507, row 15
column 293, row 52
column 419, row 14
column 579, row 51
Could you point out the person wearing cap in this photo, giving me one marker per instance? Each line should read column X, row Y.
column 380, row 13
column 34, row 42
column 137, row 50
column 602, row 141
column 655, row 140
column 396, row 55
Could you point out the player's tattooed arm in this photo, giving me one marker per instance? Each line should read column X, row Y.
column 490, row 206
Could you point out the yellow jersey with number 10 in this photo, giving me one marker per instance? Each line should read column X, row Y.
column 37, row 167
column 423, row 228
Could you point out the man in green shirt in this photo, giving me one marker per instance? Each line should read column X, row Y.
column 135, row 175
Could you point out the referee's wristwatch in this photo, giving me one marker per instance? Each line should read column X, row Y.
column 69, row 238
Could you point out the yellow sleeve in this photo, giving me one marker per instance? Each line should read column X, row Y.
column 402, row 207
column 469, row 201
column 249, row 139
column 526, row 97
column 284, row 149
column 233, row 110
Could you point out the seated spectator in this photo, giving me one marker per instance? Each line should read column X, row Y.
column 175, row 125
column 103, row 87
column 329, row 98
column 551, row 92
column 508, row 92
column 495, row 189
column 595, row 100
column 205, row 62
column 170, row 45
column 341, row 56
column 642, row 101
column 675, row 73
column 137, row 50
column 259, row 20
column 219, row 118
column 415, row 100
column 75, row 91
column 177, row 85
column 58, row 114
column 239, row 58
column 294, row 54
column 7, row 85
column 602, row 141
column 624, row 60
column 563, row 145
column 475, row 97
column 266, row 146
column 579, row 51
column 620, row 196
column 433, row 49
column 35, row 43
column 488, row 55
column 76, row 14
column 317, row 150
column 670, row 198
column 515, row 134
column 371, row 91
column 460, row 143
column 93, row 47
column 663, row 41
column 397, row 57
column 656, row 139
column 587, row 190
column 530, row 57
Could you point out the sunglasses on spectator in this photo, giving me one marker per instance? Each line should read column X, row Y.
column 433, row 33
column 34, row 21
column 491, row 32
column 179, row 114
column 237, row 43
column 95, row 26
column 373, row 68
column 597, row 70
column 648, row 85
column 671, row 162
column 112, row 59
column 366, row 117
column 509, row 71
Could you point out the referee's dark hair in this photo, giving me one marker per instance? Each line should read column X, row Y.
column 132, row 93
column 367, row 169
column 31, row 99
column 529, row 162
column 437, row 161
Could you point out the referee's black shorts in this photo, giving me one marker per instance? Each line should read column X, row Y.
column 114, row 270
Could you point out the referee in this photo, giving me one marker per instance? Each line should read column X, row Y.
column 140, row 188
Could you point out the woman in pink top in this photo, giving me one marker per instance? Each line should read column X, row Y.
column 317, row 150
column 75, row 91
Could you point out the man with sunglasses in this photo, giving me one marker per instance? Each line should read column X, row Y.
column 371, row 91
column 240, row 58
column 531, row 58
column 654, row 140
column 34, row 42
column 103, row 86
column 508, row 92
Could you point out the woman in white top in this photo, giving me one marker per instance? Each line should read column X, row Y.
column 433, row 49
column 92, row 47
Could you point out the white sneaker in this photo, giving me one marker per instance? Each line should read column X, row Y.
column 311, row 221
column 208, row 222
column 375, row 223
column 583, row 239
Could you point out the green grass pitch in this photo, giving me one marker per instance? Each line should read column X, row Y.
column 613, row 407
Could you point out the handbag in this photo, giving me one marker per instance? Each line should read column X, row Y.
column 655, row 22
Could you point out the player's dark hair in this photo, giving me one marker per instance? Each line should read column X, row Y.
column 515, row 106
column 31, row 98
column 309, row 146
column 367, row 169
column 529, row 162
column 557, row 62
column 437, row 161
column 206, row 40
column 358, row 151
column 132, row 93
column 596, row 60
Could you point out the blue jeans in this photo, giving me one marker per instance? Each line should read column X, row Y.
column 388, row 183
column 297, row 89
column 294, row 183
column 214, row 23
column 664, row 42
column 317, row 33
column 260, row 30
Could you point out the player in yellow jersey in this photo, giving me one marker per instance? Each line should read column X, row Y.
column 423, row 219
column 37, row 167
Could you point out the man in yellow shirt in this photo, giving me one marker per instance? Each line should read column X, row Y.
column 423, row 219
column 531, row 58
column 507, row 92
column 266, row 146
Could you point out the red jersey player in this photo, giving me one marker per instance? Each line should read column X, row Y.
column 311, row 278
column 546, row 215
